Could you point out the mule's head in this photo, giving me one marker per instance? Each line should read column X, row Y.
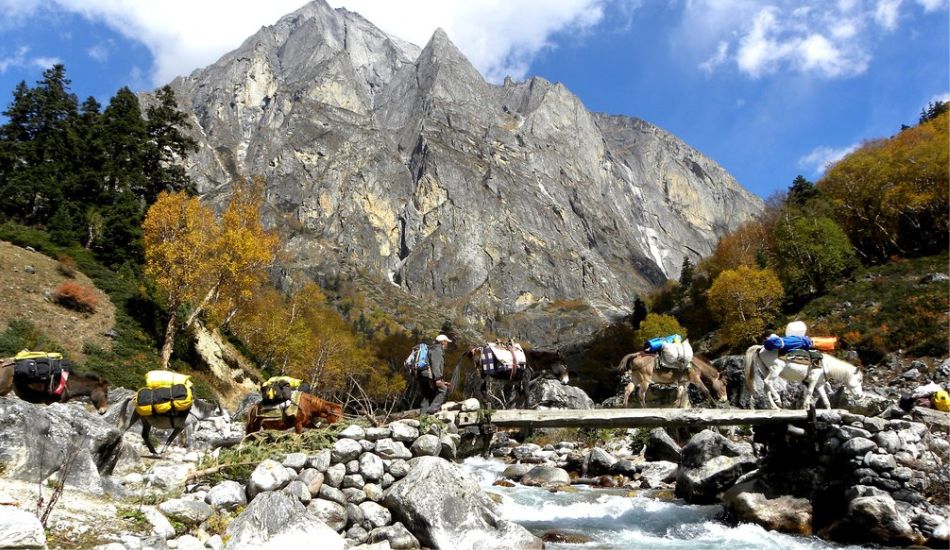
column 100, row 396
column 719, row 390
column 854, row 384
column 332, row 413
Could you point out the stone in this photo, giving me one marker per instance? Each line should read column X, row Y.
column 353, row 480
column 857, row 446
column 188, row 542
column 450, row 442
column 426, row 445
column 660, row 446
column 320, row 461
column 332, row 494
column 354, row 514
column 375, row 515
column 658, row 473
column 471, row 405
column 334, row 474
column 599, row 461
column 785, row 514
column 398, row 537
column 295, row 461
column 367, row 445
column 269, row 475
column 298, row 490
column 358, row 535
column 546, row 476
column 353, row 467
column 373, row 492
column 553, row 394
column 389, row 449
column 872, row 516
column 345, row 450
column 353, row 431
column 354, row 495
column 274, row 519
column 187, row 511
column 445, row 508
column 161, row 527
column 516, row 471
column 399, row 468
column 20, row 529
column 889, row 441
column 528, row 450
column 375, row 434
column 387, row 480
column 371, row 467
column 226, row 495
column 710, row 464
column 403, row 432
column 881, row 462
column 312, row 479
column 215, row 542
column 333, row 514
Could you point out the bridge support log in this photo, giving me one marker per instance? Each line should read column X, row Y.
column 641, row 418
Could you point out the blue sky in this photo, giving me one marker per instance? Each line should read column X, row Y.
column 767, row 89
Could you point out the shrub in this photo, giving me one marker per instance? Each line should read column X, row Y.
column 67, row 266
column 656, row 325
column 76, row 297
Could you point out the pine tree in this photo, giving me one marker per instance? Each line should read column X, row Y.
column 686, row 274
column 801, row 191
column 123, row 132
column 166, row 143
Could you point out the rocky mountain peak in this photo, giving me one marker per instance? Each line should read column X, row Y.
column 488, row 200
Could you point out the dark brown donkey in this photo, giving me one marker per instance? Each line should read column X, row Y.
column 309, row 408
column 77, row 385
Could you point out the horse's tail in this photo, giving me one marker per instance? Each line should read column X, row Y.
column 123, row 412
column 747, row 370
column 624, row 363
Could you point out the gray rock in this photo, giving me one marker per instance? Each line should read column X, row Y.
column 161, row 527
column 333, row 514
column 528, row 450
column 320, row 461
column 367, row 445
column 389, row 449
column 269, row 475
column 470, row 405
column 358, row 535
column 659, row 472
column 226, row 495
column 187, row 511
column 881, row 462
column 354, row 515
column 375, row 434
column 387, row 480
column 312, row 479
column 371, row 467
column 872, row 516
column 516, row 471
column 444, row 508
column 215, row 542
column 353, row 467
column 63, row 428
column 710, row 464
column 660, row 446
column 354, row 495
column 353, row 480
column 295, row 461
column 403, row 432
column 375, row 515
column 708, row 444
column 748, row 503
column 546, row 476
column 889, row 441
column 624, row 467
column 334, row 474
column 857, row 446
column 398, row 537
column 332, row 494
column 399, row 468
column 373, row 492
column 427, row 445
column 275, row 515
column 599, row 461
column 353, row 431
column 20, row 529
column 298, row 490
column 555, row 395
column 345, row 450
column 188, row 542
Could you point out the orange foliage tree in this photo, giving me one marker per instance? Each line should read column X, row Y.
column 212, row 265
column 746, row 300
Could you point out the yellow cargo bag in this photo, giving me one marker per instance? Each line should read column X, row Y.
column 165, row 378
column 26, row 354
column 279, row 388
column 941, row 400
column 176, row 398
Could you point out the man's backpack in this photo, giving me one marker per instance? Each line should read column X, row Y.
column 37, row 366
column 418, row 359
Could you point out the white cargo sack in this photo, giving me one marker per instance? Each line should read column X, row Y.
column 504, row 356
column 676, row 355
column 796, row 328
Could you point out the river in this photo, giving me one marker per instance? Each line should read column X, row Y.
column 617, row 521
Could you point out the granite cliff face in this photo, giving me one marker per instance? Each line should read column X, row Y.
column 408, row 164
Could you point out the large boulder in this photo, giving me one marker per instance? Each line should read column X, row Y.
column 269, row 475
column 546, row 476
column 749, row 503
column 660, row 446
column 873, row 516
column 276, row 520
column 709, row 465
column 20, row 529
column 554, row 395
column 36, row 440
column 444, row 508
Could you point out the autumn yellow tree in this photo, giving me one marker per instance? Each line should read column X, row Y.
column 209, row 265
column 656, row 325
column 745, row 299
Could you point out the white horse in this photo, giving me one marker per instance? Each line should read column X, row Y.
column 758, row 359
column 177, row 422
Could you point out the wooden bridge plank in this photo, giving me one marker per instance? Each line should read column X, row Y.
column 641, row 418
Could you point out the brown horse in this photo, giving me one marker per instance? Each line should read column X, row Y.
column 712, row 378
column 309, row 408
column 642, row 372
column 77, row 385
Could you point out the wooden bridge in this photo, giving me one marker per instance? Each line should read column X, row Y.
column 642, row 418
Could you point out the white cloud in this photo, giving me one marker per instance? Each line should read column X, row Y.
column 45, row 62
column 20, row 59
column 886, row 13
column 500, row 37
column 99, row 52
column 820, row 158
column 828, row 39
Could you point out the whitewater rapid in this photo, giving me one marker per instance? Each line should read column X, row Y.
column 615, row 520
